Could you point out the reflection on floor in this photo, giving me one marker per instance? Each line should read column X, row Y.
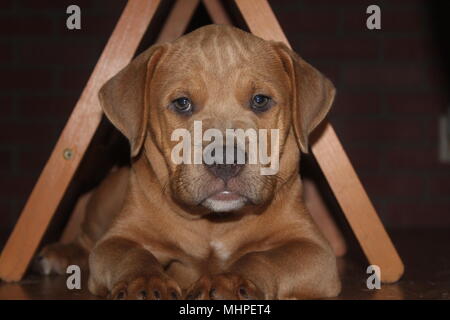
column 426, row 255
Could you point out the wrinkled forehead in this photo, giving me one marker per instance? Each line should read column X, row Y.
column 222, row 54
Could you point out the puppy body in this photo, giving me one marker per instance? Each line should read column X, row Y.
column 280, row 249
column 165, row 242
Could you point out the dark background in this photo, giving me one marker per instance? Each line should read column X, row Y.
column 391, row 83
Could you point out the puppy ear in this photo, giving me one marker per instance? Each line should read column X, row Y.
column 123, row 97
column 313, row 94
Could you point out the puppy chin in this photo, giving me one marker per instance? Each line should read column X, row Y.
column 224, row 205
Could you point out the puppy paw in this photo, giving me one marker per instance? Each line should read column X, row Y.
column 155, row 287
column 225, row 286
column 56, row 257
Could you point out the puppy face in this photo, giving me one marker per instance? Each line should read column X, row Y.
column 222, row 78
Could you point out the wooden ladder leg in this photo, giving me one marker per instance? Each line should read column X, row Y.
column 174, row 26
column 217, row 12
column 335, row 164
column 178, row 20
column 73, row 142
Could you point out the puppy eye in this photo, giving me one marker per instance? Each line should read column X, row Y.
column 260, row 103
column 182, row 105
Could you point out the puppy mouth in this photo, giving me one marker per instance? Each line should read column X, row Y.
column 225, row 201
column 225, row 196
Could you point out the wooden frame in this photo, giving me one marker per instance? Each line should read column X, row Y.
column 82, row 124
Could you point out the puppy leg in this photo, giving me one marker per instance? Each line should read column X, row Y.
column 225, row 286
column 299, row 269
column 296, row 270
column 323, row 218
column 56, row 257
column 122, row 269
column 92, row 217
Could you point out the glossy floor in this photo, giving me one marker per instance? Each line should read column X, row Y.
column 426, row 255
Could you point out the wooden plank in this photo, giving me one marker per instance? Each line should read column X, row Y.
column 335, row 164
column 174, row 27
column 76, row 136
column 178, row 20
column 217, row 12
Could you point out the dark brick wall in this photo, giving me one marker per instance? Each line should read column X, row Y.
column 390, row 93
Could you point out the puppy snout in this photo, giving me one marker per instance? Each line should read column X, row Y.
column 228, row 164
column 225, row 171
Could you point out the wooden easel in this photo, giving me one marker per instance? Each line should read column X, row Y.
column 82, row 124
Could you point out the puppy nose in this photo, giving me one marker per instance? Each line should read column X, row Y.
column 224, row 170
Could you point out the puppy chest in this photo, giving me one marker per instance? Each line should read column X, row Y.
column 220, row 250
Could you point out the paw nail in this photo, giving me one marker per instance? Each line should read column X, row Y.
column 157, row 294
column 243, row 293
column 174, row 295
column 121, row 295
column 212, row 293
column 193, row 296
column 142, row 295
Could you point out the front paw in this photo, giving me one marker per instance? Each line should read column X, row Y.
column 224, row 286
column 56, row 257
column 153, row 287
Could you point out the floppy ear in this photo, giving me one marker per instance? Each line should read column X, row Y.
column 313, row 94
column 123, row 97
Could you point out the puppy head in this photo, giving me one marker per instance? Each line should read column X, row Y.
column 219, row 78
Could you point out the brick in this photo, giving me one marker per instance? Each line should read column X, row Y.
column 16, row 186
column 26, row 133
column 402, row 130
column 5, row 53
column 415, row 103
column 338, row 4
column 26, row 26
column 307, row 21
column 346, row 48
column 405, row 20
column 29, row 79
column 364, row 158
column 407, row 48
column 7, row 5
column 5, row 161
column 401, row 20
column 412, row 158
column 363, row 130
column 431, row 130
column 33, row 160
column 62, row 53
column 356, row 103
column 423, row 215
column 72, row 79
column 387, row 76
column 394, row 185
column 91, row 25
column 54, row 107
column 331, row 71
column 435, row 76
column 60, row 5
column 6, row 107
column 439, row 186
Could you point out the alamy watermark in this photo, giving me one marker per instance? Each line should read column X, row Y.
column 239, row 146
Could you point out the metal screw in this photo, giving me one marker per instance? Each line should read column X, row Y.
column 68, row 154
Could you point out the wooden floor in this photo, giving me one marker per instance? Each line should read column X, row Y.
column 426, row 255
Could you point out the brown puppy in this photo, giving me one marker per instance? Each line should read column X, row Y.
column 214, row 231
